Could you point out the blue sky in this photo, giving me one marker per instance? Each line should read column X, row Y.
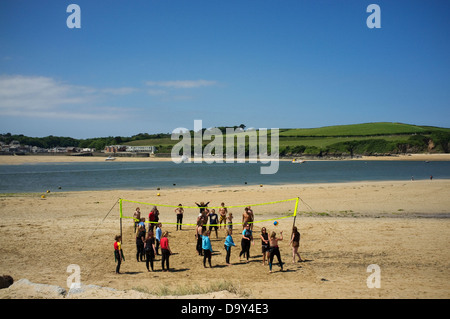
column 153, row 66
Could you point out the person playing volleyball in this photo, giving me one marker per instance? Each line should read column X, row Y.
column 275, row 250
column 222, row 215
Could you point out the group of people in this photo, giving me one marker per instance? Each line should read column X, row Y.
column 269, row 244
column 215, row 221
column 149, row 242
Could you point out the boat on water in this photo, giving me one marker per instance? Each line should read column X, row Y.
column 298, row 161
column 184, row 159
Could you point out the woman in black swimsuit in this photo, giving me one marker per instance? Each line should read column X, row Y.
column 149, row 248
column 274, row 250
column 265, row 245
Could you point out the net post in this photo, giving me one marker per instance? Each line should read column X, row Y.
column 295, row 211
column 121, row 214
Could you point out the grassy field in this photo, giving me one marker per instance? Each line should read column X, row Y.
column 366, row 129
column 367, row 138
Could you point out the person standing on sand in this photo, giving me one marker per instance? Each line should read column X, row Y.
column 141, row 222
column 230, row 221
column 295, row 242
column 140, row 238
column 149, row 248
column 228, row 244
column 203, row 216
column 158, row 237
column 153, row 217
column 179, row 210
column 275, row 250
column 156, row 214
column 198, row 236
column 222, row 215
column 247, row 239
column 165, row 251
column 202, row 206
column 207, row 249
column 136, row 217
column 265, row 245
column 247, row 218
column 213, row 221
column 252, row 217
column 118, row 254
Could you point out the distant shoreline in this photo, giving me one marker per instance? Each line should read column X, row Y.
column 35, row 159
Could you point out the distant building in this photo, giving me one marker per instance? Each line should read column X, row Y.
column 115, row 148
column 130, row 149
column 141, row 149
column 58, row 150
column 72, row 149
column 36, row 149
column 87, row 150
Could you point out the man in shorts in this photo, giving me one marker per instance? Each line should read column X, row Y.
column 223, row 215
column 247, row 217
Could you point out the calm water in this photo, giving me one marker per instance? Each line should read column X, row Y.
column 143, row 175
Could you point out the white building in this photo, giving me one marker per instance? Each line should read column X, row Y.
column 87, row 150
column 141, row 149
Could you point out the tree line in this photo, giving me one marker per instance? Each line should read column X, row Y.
column 438, row 142
column 98, row 143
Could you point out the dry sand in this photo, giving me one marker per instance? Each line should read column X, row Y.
column 33, row 159
column 400, row 226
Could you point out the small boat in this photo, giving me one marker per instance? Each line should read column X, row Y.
column 298, row 162
column 110, row 158
column 185, row 159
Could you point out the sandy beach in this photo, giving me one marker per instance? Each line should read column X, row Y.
column 34, row 159
column 30, row 159
column 403, row 227
column 107, row 107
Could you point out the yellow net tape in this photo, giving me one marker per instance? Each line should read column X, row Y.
column 212, row 207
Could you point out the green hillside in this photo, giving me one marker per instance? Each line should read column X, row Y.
column 348, row 140
column 340, row 140
column 366, row 129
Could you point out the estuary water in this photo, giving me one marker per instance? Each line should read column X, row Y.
column 150, row 175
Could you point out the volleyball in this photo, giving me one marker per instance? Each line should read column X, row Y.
column 158, row 194
column 275, row 223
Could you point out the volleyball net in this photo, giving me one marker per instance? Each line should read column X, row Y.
column 167, row 214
